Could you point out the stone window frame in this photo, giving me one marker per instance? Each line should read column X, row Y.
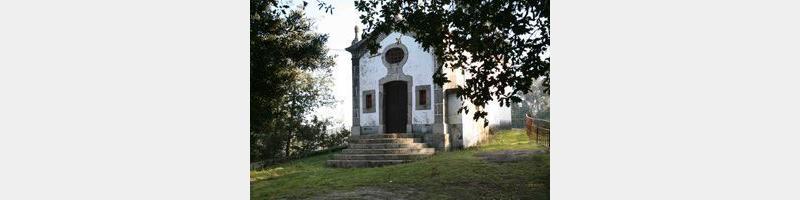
column 395, row 54
column 417, row 104
column 397, row 44
column 372, row 102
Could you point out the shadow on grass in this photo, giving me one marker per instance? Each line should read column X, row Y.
column 447, row 175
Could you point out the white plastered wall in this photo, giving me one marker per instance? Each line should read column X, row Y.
column 473, row 131
column 419, row 65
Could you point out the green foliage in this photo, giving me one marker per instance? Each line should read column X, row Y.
column 290, row 76
column 447, row 175
column 537, row 102
column 335, row 139
column 316, row 134
column 502, row 44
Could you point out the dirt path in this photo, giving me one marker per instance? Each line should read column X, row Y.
column 372, row 193
column 507, row 155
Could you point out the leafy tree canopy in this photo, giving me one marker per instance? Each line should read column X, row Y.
column 290, row 72
column 503, row 44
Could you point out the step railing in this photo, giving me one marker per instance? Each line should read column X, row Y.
column 538, row 130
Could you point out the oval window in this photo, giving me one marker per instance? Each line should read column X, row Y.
column 394, row 55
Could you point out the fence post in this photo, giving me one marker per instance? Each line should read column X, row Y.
column 541, row 133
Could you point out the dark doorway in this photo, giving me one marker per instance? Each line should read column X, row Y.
column 395, row 106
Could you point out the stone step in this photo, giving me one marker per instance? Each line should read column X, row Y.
column 363, row 163
column 387, row 146
column 389, row 151
column 386, row 140
column 413, row 156
column 377, row 136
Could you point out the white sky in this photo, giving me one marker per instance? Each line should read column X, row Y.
column 339, row 27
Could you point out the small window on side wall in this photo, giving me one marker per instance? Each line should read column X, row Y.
column 423, row 96
column 369, row 101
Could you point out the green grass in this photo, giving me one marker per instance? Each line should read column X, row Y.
column 447, row 175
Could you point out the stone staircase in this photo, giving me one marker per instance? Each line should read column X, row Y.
column 381, row 149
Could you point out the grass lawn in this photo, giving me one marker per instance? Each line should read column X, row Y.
column 446, row 175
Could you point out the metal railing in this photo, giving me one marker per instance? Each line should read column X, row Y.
column 538, row 130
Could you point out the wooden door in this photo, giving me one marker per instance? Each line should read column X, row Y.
column 395, row 106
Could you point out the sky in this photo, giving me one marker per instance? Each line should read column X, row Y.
column 339, row 27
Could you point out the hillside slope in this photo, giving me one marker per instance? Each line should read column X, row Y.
column 507, row 167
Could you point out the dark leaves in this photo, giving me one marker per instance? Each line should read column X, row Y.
column 289, row 77
column 502, row 44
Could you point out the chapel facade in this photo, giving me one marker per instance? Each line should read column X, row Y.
column 393, row 92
